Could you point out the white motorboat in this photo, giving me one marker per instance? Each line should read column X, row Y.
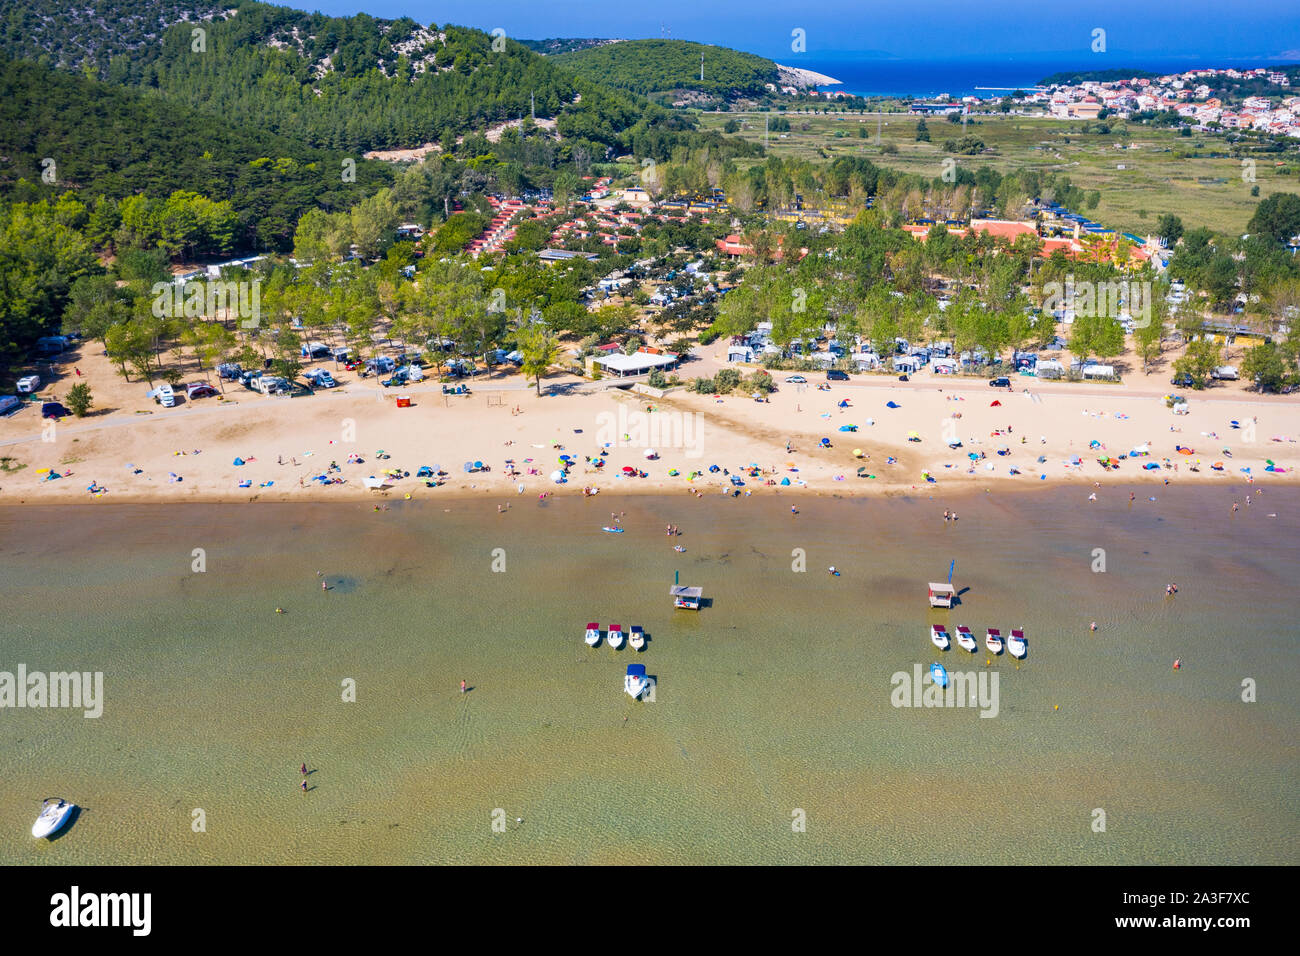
column 965, row 640
column 637, row 640
column 939, row 635
column 593, row 635
column 636, row 682
column 54, row 814
column 615, row 636
column 1017, row 644
column 993, row 640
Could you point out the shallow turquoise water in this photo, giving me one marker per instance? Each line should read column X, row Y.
column 773, row 700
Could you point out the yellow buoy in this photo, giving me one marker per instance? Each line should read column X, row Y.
column 1056, row 707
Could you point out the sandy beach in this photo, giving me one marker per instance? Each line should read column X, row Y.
column 139, row 451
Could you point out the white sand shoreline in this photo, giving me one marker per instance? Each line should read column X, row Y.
column 285, row 442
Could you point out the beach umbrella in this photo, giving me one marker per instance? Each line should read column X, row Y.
column 556, row 476
column 478, row 464
column 468, row 466
column 892, row 405
column 629, row 470
column 1042, row 458
column 994, row 403
column 974, row 457
column 857, row 453
column 785, row 481
column 826, row 443
column 650, row 453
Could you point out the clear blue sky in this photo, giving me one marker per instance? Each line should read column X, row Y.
column 919, row 29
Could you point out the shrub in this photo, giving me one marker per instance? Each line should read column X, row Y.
column 657, row 379
column 727, row 380
column 703, row 386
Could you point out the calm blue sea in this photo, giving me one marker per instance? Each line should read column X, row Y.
column 873, row 75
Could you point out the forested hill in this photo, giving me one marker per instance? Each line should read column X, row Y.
column 651, row 66
column 1075, row 77
column 114, row 142
column 556, row 45
column 360, row 83
column 88, row 34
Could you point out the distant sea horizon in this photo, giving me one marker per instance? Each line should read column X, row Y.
column 871, row 74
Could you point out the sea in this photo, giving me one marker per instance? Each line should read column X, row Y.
column 874, row 75
column 778, row 732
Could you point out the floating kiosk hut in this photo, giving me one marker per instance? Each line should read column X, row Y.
column 684, row 597
column 941, row 595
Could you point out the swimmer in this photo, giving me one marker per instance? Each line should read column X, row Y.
column 832, row 570
column 1094, row 626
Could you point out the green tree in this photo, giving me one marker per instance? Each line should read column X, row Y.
column 540, row 351
column 1201, row 358
column 1169, row 228
column 79, row 399
column 1277, row 217
column 922, row 132
column 1147, row 340
column 1266, row 366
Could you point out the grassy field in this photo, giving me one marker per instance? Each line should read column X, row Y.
column 1153, row 179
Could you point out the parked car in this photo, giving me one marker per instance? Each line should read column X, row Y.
column 1002, row 382
column 29, row 384
column 199, row 390
column 230, row 371
column 249, row 379
column 1226, row 372
column 54, row 410
column 1182, row 379
column 796, row 380
column 10, row 404
column 164, row 395
column 835, row 375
